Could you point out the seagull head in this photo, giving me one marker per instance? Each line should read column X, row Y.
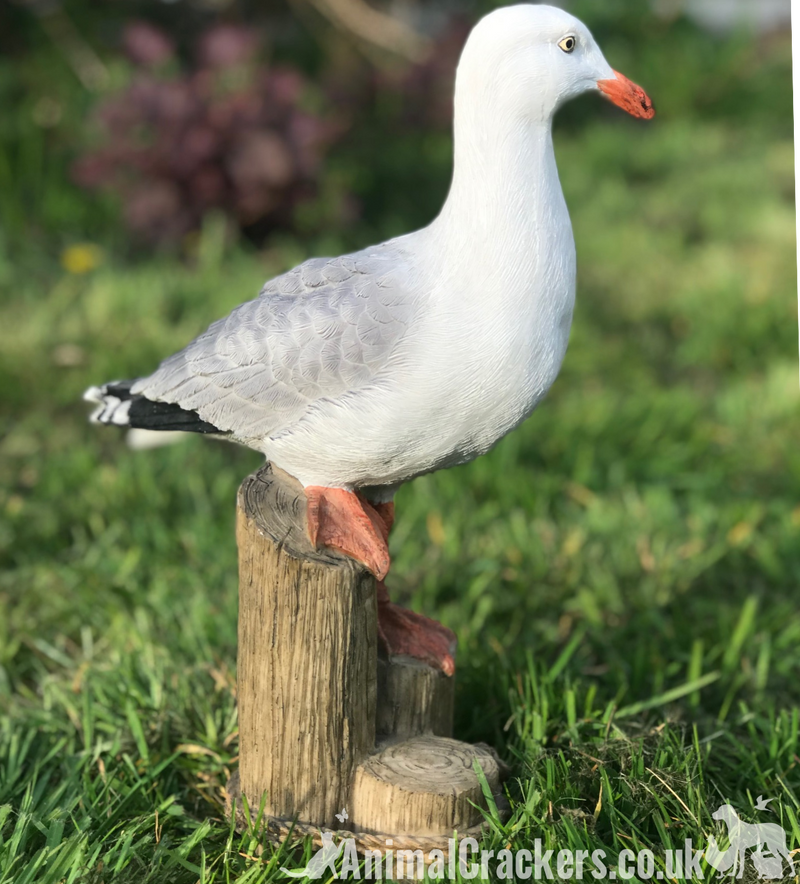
column 533, row 58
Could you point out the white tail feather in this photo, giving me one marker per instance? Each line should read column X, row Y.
column 110, row 409
column 143, row 440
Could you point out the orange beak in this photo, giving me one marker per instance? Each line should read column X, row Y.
column 628, row 96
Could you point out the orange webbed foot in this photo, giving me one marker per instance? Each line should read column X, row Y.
column 345, row 521
column 405, row 633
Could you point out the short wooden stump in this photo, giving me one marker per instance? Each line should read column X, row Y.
column 426, row 785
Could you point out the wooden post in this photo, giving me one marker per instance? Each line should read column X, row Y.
column 425, row 786
column 307, row 669
column 413, row 699
column 323, row 723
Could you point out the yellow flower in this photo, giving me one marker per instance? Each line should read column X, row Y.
column 81, row 258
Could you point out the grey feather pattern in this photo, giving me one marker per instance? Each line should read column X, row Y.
column 320, row 331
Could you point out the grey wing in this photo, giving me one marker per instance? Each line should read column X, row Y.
column 324, row 329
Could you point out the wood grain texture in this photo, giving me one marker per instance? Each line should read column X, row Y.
column 310, row 696
column 423, row 786
column 413, row 699
column 307, row 670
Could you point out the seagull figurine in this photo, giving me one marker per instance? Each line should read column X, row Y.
column 358, row 373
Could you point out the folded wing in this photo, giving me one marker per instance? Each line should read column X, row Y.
column 323, row 330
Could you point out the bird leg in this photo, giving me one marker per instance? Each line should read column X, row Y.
column 346, row 521
column 404, row 633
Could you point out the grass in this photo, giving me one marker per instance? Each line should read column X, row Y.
column 622, row 571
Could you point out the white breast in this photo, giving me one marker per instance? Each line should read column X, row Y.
column 505, row 346
column 486, row 353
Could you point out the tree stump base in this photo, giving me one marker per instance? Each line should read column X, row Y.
column 324, row 724
column 426, row 785
column 277, row 830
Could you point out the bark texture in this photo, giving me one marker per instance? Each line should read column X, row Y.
column 312, row 694
column 413, row 699
column 423, row 786
column 307, row 670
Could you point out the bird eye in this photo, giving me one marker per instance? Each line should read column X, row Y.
column 567, row 44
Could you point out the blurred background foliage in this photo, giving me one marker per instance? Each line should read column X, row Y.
column 140, row 117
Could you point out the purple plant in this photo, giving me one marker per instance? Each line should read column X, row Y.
column 145, row 45
column 227, row 133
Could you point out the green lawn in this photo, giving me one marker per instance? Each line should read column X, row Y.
column 622, row 572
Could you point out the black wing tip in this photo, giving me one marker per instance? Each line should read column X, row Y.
column 145, row 414
column 116, row 406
